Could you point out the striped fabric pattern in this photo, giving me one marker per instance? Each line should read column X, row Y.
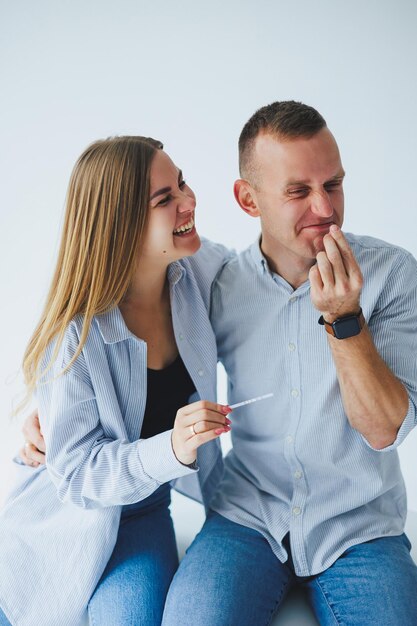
column 60, row 523
column 297, row 465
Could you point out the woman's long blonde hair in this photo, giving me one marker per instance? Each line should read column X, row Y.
column 105, row 219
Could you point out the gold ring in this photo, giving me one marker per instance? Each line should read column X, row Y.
column 193, row 429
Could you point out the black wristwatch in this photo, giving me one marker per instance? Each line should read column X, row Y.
column 344, row 327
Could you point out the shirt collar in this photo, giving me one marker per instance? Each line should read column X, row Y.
column 112, row 326
column 260, row 261
column 175, row 272
column 262, row 266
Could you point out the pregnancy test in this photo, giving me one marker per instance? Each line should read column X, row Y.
column 235, row 406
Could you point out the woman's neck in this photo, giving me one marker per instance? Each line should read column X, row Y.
column 149, row 288
column 146, row 310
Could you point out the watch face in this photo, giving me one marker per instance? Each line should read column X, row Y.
column 346, row 327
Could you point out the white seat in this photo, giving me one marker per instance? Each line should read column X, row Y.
column 188, row 518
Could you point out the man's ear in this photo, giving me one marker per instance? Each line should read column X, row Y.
column 246, row 197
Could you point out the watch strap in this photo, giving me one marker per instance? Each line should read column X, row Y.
column 329, row 325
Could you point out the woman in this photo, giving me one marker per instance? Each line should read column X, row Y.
column 123, row 343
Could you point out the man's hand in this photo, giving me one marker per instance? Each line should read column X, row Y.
column 375, row 401
column 336, row 279
column 33, row 452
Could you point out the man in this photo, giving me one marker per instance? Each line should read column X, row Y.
column 312, row 491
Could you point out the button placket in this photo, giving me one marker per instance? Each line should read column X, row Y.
column 297, row 504
column 293, row 377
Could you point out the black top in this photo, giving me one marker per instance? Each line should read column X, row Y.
column 168, row 390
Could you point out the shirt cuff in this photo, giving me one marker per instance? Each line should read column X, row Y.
column 158, row 459
column 406, row 427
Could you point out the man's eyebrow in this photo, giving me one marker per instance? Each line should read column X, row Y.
column 337, row 176
column 289, row 183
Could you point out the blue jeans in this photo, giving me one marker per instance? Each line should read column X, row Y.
column 135, row 582
column 231, row 577
column 133, row 587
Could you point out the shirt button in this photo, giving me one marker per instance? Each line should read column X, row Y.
column 298, row 474
column 289, row 439
column 201, row 372
column 291, row 346
column 295, row 393
column 296, row 510
column 292, row 299
column 181, row 336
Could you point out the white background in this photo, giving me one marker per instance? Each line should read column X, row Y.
column 191, row 73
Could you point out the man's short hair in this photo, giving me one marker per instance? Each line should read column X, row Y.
column 286, row 120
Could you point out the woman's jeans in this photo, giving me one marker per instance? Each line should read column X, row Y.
column 231, row 577
column 134, row 585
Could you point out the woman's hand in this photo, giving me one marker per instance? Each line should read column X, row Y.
column 33, row 452
column 195, row 424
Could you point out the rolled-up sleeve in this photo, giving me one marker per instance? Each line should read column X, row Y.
column 393, row 325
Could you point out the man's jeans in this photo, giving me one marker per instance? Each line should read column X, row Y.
column 230, row 577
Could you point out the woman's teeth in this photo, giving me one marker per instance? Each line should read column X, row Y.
column 185, row 228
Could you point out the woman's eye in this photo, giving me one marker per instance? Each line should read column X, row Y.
column 164, row 201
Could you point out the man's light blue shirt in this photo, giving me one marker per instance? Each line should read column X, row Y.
column 297, row 465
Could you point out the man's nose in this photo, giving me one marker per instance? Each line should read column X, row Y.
column 321, row 204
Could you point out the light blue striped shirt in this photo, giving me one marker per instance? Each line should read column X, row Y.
column 60, row 524
column 297, row 465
